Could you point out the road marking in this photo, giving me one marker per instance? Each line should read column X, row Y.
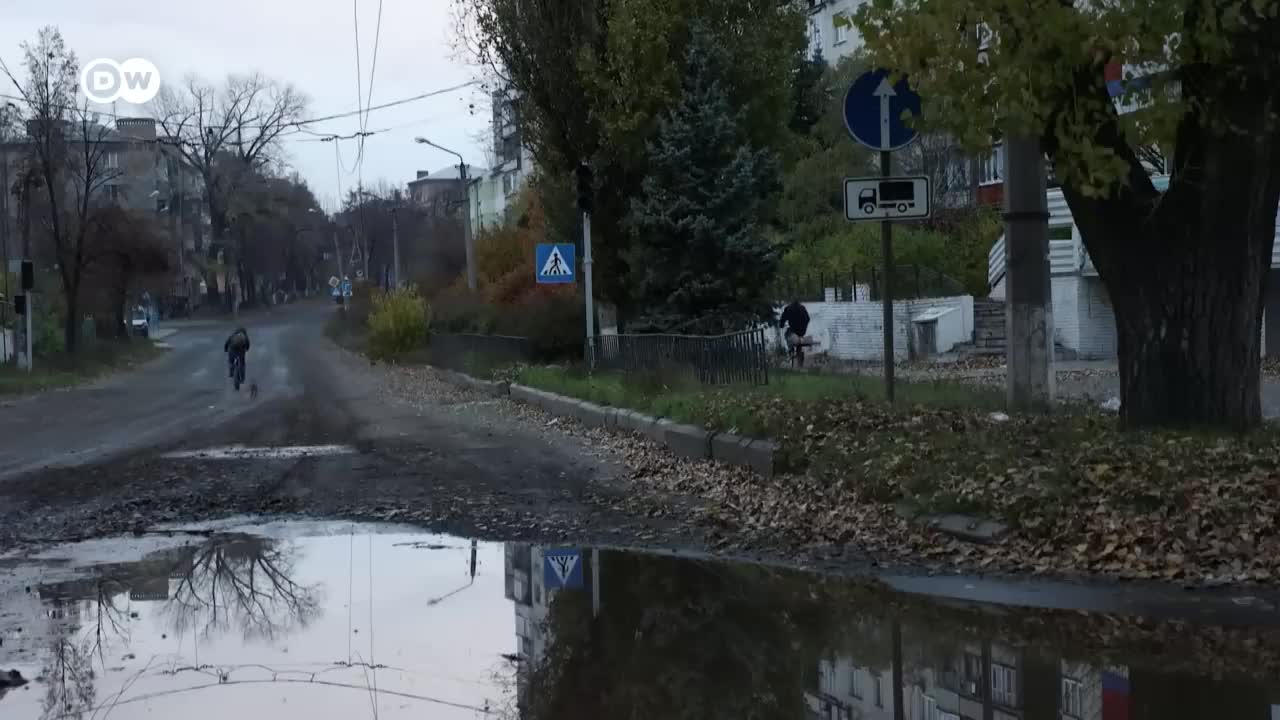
column 241, row 452
column 199, row 373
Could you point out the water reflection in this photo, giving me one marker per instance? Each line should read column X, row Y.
column 333, row 621
column 242, row 581
column 229, row 581
column 687, row 639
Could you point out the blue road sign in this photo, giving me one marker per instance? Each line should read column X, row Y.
column 562, row 568
column 553, row 263
column 346, row 288
column 874, row 111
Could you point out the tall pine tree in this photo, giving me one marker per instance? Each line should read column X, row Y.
column 701, row 260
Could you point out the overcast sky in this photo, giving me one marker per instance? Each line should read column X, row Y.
column 309, row 43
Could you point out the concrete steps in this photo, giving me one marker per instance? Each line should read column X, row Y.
column 988, row 327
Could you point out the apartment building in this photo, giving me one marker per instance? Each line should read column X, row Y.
column 143, row 172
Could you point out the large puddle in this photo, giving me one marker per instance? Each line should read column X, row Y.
column 325, row 620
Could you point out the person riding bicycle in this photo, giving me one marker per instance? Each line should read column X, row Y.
column 236, row 346
column 795, row 320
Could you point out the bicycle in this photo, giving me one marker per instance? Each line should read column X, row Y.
column 237, row 370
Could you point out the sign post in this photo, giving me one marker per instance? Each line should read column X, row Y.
column 873, row 114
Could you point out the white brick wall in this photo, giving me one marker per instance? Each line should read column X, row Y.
column 1066, row 302
column 1097, row 321
column 855, row 330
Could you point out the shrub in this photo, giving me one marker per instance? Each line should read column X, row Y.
column 553, row 319
column 398, row 323
column 458, row 310
column 361, row 303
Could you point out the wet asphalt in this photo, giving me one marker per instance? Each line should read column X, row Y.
column 173, row 442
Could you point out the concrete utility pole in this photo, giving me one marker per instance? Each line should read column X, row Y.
column 395, row 248
column 1028, row 303
column 468, row 241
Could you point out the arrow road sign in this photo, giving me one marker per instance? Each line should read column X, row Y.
column 886, row 198
column 562, row 568
column 874, row 111
column 553, row 263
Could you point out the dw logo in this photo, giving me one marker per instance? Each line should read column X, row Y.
column 135, row 81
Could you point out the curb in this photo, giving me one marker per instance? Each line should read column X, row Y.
column 685, row 441
column 487, row 387
column 695, row 443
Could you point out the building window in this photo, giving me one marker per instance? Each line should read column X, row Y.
column 815, row 37
column 112, row 160
column 855, row 684
column 1072, row 698
column 841, row 23
column 991, row 166
column 877, row 689
column 1004, row 685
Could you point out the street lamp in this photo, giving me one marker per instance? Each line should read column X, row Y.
column 466, row 215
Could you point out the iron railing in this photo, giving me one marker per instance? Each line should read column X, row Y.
column 475, row 353
column 741, row 357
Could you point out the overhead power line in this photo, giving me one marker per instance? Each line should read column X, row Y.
column 296, row 124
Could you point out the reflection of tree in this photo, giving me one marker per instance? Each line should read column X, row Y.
column 681, row 639
column 109, row 618
column 67, row 673
column 245, row 581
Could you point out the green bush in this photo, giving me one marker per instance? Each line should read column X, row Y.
column 397, row 324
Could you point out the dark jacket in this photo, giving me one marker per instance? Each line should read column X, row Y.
column 239, row 341
column 796, row 318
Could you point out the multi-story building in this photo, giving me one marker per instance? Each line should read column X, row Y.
column 140, row 172
column 831, row 31
column 439, row 191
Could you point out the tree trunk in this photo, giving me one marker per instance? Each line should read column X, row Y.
column 71, row 325
column 1187, row 269
column 1189, row 341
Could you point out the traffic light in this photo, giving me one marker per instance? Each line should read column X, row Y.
column 28, row 275
column 20, row 304
column 585, row 193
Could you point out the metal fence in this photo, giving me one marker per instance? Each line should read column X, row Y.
column 741, row 357
column 471, row 353
column 865, row 285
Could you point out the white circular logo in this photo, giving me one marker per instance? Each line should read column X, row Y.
column 134, row 81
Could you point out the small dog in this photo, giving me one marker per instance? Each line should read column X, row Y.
column 253, row 391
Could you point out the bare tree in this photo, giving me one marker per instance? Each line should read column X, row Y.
column 241, row 580
column 69, row 155
column 67, row 673
column 949, row 169
column 130, row 246
column 229, row 134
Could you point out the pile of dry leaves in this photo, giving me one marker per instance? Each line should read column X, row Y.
column 1080, row 495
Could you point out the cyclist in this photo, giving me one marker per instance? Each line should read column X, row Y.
column 795, row 319
column 236, row 346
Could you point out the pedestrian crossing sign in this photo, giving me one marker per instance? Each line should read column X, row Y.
column 562, row 568
column 553, row 263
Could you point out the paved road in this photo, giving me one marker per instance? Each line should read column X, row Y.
column 183, row 391
column 134, row 450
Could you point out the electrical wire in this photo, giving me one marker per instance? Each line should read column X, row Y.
column 293, row 126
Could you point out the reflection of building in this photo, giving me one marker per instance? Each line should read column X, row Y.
column 969, row 681
column 524, row 588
